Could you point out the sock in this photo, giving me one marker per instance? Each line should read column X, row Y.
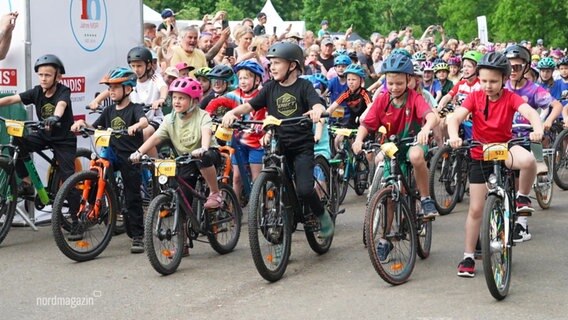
column 424, row 198
column 468, row 255
column 383, row 241
column 522, row 195
column 523, row 221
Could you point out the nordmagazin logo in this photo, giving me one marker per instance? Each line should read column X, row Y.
column 89, row 23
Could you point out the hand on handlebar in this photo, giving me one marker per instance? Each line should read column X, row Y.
column 50, row 122
column 536, row 136
column 357, row 146
column 228, row 119
column 135, row 157
column 455, row 142
column 422, row 137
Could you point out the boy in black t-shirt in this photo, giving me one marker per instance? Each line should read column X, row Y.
column 128, row 116
column 52, row 102
column 288, row 96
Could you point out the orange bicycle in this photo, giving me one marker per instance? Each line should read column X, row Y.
column 93, row 219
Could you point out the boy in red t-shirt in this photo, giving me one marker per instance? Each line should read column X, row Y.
column 492, row 110
column 405, row 113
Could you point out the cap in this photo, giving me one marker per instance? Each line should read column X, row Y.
column 294, row 34
column 172, row 71
column 182, row 65
column 540, row 42
column 166, row 13
column 324, row 22
column 326, row 41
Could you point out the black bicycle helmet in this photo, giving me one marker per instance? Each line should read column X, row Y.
column 495, row 61
column 563, row 61
column 287, row 51
column 398, row 63
column 222, row 72
column 51, row 60
column 520, row 52
column 139, row 54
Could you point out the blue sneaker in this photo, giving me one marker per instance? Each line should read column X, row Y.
column 429, row 208
column 383, row 250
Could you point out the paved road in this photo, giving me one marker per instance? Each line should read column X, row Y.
column 339, row 285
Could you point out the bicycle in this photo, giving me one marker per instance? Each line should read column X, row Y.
column 354, row 167
column 499, row 215
column 9, row 154
column 392, row 218
column 173, row 216
column 94, row 218
column 275, row 207
column 560, row 163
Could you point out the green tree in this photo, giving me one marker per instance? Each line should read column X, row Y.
column 460, row 16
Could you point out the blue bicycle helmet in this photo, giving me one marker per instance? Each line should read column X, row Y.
column 398, row 63
column 339, row 52
column 321, row 79
column 355, row 69
column 402, row 51
column 123, row 76
column 342, row 60
column 251, row 66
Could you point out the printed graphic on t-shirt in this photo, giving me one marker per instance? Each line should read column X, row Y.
column 118, row 124
column 186, row 137
column 286, row 104
column 47, row 110
column 564, row 95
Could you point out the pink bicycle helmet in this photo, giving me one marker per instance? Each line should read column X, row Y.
column 188, row 86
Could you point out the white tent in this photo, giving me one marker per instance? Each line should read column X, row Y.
column 151, row 15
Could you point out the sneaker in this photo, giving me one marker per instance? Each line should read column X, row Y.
column 25, row 190
column 429, row 208
column 466, row 268
column 383, row 250
column 137, row 245
column 521, row 234
column 326, row 225
column 213, row 201
column 76, row 233
column 523, row 204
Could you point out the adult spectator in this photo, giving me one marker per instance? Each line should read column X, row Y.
column 187, row 51
column 205, row 41
column 324, row 26
column 309, row 39
column 168, row 26
column 243, row 40
column 7, row 24
column 149, row 31
column 165, row 52
column 366, row 60
column 313, row 65
column 262, row 44
column 248, row 22
column 259, row 29
column 294, row 37
column 377, row 58
column 326, row 53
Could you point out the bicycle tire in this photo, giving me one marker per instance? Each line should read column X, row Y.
column 8, row 197
column 405, row 232
column 83, row 250
column 375, row 187
column 423, row 233
column 269, row 228
column 544, row 195
column 225, row 220
column 165, row 255
column 439, row 178
column 495, row 248
column 561, row 160
column 311, row 228
column 360, row 164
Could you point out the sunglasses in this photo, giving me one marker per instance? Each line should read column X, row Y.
column 518, row 67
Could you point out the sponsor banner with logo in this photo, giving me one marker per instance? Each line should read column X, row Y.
column 89, row 36
column 13, row 67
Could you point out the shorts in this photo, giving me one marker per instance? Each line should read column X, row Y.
column 250, row 155
column 479, row 171
column 403, row 164
column 154, row 125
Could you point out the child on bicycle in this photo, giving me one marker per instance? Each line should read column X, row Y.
column 404, row 113
column 247, row 145
column 188, row 128
column 290, row 96
column 338, row 84
column 129, row 116
column 492, row 110
column 538, row 98
column 469, row 82
column 221, row 77
column 52, row 102
column 201, row 76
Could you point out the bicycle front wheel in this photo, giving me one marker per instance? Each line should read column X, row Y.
column 496, row 247
column 322, row 178
column 8, row 197
column 269, row 227
column 560, row 165
column 90, row 231
column 225, row 222
column 163, row 235
column 391, row 237
column 445, row 179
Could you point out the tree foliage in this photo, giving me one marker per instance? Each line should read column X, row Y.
column 507, row 19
